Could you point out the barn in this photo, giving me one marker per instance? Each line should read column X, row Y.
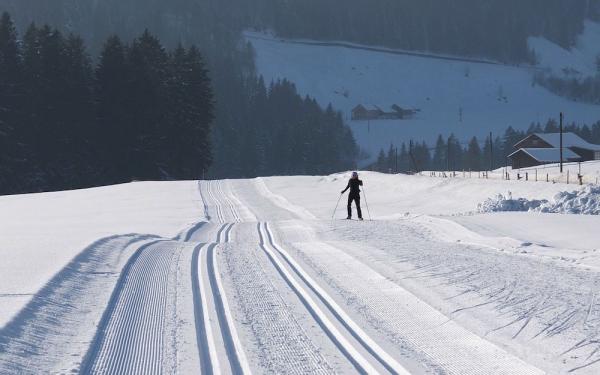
column 372, row 112
column 539, row 148
column 366, row 112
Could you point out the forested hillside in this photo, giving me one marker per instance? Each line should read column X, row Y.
column 489, row 28
column 248, row 121
column 141, row 111
column 495, row 29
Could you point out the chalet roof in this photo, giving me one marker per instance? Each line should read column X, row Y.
column 368, row 107
column 371, row 107
column 548, row 155
column 569, row 140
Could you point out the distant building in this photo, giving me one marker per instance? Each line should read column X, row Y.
column 538, row 149
column 366, row 112
column 372, row 112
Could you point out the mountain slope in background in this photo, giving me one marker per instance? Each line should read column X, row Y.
column 578, row 62
column 461, row 97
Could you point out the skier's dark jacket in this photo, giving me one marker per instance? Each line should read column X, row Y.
column 354, row 186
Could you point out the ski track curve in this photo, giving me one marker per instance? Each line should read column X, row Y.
column 132, row 337
column 215, row 325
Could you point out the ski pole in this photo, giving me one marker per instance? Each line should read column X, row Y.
column 367, row 204
column 336, row 207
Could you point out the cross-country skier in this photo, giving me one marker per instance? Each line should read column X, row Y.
column 354, row 186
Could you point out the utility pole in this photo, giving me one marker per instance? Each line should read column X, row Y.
column 412, row 157
column 561, row 142
column 491, row 153
column 448, row 155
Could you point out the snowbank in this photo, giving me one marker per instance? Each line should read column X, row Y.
column 586, row 202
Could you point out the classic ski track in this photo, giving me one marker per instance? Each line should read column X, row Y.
column 211, row 290
column 450, row 346
column 210, row 298
column 283, row 341
column 352, row 353
column 131, row 338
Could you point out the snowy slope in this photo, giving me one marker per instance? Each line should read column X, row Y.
column 461, row 97
column 254, row 276
column 41, row 233
column 578, row 62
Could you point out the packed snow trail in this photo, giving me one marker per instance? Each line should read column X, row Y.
column 54, row 328
column 341, row 340
column 362, row 364
column 264, row 286
column 429, row 334
column 214, row 324
column 132, row 335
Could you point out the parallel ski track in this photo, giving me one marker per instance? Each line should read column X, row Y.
column 131, row 336
column 450, row 347
column 225, row 209
column 272, row 250
column 284, row 344
column 205, row 267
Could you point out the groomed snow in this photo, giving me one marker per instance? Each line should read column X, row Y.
column 41, row 233
column 261, row 276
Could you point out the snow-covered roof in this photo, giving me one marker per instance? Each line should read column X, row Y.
column 550, row 155
column 569, row 140
column 371, row 107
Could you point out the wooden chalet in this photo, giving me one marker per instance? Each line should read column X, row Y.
column 538, row 149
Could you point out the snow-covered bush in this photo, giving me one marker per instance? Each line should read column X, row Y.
column 586, row 202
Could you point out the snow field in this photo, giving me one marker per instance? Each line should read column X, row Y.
column 261, row 280
column 41, row 233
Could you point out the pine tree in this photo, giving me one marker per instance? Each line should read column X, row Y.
column 381, row 163
column 439, row 155
column 391, row 159
column 454, row 154
column 473, row 156
column 190, row 114
column 77, row 157
column 147, row 87
column 113, row 131
column 11, row 99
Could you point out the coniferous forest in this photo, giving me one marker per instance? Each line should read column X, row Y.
column 76, row 110
column 450, row 154
column 142, row 112
column 496, row 29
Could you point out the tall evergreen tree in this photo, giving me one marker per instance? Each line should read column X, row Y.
column 473, row 157
column 439, row 155
column 147, row 86
column 11, row 99
column 113, row 131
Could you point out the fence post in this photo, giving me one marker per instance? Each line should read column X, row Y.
column 567, row 177
column 536, row 175
column 526, row 176
column 547, row 178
